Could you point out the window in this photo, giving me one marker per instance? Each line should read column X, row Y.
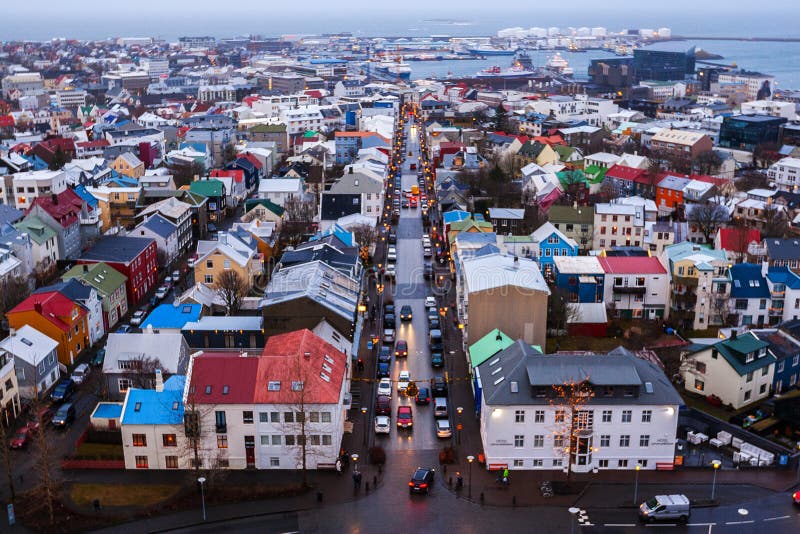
column 247, row 417
column 780, row 367
column 226, row 264
column 538, row 416
column 313, row 417
column 559, row 416
column 538, row 441
column 538, row 462
column 606, row 416
column 747, row 395
column 221, row 422
column 289, row 440
column 750, row 376
column 209, row 264
column 299, row 417
column 647, row 416
column 602, row 464
column 605, row 440
column 326, row 439
column 624, row 440
column 518, row 463
column 139, row 440
column 627, row 415
column 558, row 441
column 196, row 463
column 274, row 461
column 124, row 384
column 288, row 417
column 519, row 441
column 558, row 462
column 642, row 463
column 141, row 462
column 700, row 367
column 222, row 441
column 263, row 417
column 274, row 385
column 325, row 417
column 795, row 360
column 764, row 371
column 699, row 385
column 169, row 440
column 622, row 463
column 265, row 440
column 208, row 279
column 171, row 462
column 644, row 440
column 762, row 389
column 297, row 386
column 519, row 416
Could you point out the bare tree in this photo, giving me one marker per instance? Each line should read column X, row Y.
column 706, row 162
column 300, row 427
column 141, row 371
column 6, row 454
column 364, row 235
column 44, row 459
column 561, row 311
column 298, row 217
column 765, row 154
column 572, row 432
column 13, row 290
column 751, row 180
column 708, row 218
column 739, row 242
column 231, row 288
column 776, row 224
column 208, row 459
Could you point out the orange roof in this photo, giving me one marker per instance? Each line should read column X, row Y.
column 54, row 306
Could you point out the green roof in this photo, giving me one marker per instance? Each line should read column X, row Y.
column 310, row 133
column 267, row 128
column 251, row 203
column 594, row 173
column 469, row 223
column 735, row 352
column 563, row 151
column 99, row 275
column 193, row 199
column 39, row 232
column 208, row 188
column 568, row 214
column 488, row 346
column 572, row 177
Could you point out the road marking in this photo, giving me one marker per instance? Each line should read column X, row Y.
column 777, row 518
column 700, row 524
column 739, row 522
column 619, row 524
column 662, row 525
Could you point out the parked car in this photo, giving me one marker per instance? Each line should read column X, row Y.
column 426, row 252
column 402, row 381
column 80, row 373
column 98, row 359
column 388, row 320
column 430, row 302
column 385, row 355
column 391, row 254
column 392, row 237
column 137, row 318
column 439, row 386
column 401, row 349
column 162, row 292
column 428, row 271
column 382, row 424
column 423, row 396
column 405, row 419
column 422, row 480
column 385, row 387
column 433, row 323
column 168, row 281
column 383, row 404
column 433, row 313
column 665, row 507
column 21, row 438
column 383, row 370
column 391, row 270
column 63, row 391
column 443, row 429
column 440, row 407
column 123, row 329
column 176, row 276
column 64, row 416
column 405, row 313
column 437, row 359
column 796, row 498
column 388, row 335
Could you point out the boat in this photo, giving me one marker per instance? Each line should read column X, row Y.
column 560, row 65
column 491, row 51
column 511, row 72
column 396, row 69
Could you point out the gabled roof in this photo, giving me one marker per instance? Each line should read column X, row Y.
column 39, row 232
column 99, row 275
column 65, row 210
column 782, row 249
column 734, row 240
column 151, row 407
column 172, row 316
column 300, row 364
column 547, row 229
column 170, row 349
column 251, row 203
column 747, row 282
column 621, row 172
column 158, row 225
column 208, row 188
column 227, row 378
column 782, row 275
column 54, row 306
column 631, row 265
column 29, row 344
column 498, row 270
column 117, row 249
column 487, row 346
column 735, row 351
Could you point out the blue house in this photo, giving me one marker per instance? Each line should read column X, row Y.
column 581, row 277
column 549, row 243
column 750, row 295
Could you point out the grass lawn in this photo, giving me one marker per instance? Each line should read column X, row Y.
column 99, row 450
column 142, row 495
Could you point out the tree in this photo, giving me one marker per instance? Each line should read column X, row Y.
column 752, row 180
column 500, row 118
column 231, row 288
column 561, row 311
column 765, row 154
column 207, row 459
column 13, row 290
column 59, row 160
column 141, row 371
column 5, row 452
column 776, row 224
column 706, row 162
column 739, row 240
column 572, row 432
column 298, row 217
column 364, row 235
column 708, row 218
column 184, row 174
column 300, row 425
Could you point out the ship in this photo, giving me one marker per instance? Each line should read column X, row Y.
column 491, row 51
column 559, row 65
column 394, row 69
column 511, row 72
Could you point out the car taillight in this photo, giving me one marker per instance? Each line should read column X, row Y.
column 411, row 484
column 423, row 486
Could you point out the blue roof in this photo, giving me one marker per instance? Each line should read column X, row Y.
column 748, row 282
column 171, row 316
column 124, row 181
column 151, row 407
column 340, row 233
column 86, row 196
column 197, row 147
column 782, row 275
column 108, row 410
column 159, row 226
column 449, row 217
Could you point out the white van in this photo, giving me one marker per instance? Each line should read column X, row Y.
column 665, row 507
column 439, row 407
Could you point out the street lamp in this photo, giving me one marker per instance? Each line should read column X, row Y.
column 364, row 412
column 636, row 484
column 470, row 459
column 573, row 512
column 354, row 457
column 202, row 481
column 716, row 464
column 459, row 410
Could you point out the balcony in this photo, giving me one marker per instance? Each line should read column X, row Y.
column 631, row 290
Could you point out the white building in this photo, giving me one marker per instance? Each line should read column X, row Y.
column 786, row 174
column 32, row 184
column 622, row 223
column 627, row 414
column 301, row 119
column 773, row 108
column 748, row 82
column 279, row 190
column 594, row 111
column 638, row 287
column 360, row 183
column 35, row 360
column 71, row 98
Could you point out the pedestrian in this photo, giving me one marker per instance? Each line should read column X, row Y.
column 459, row 480
column 358, row 479
column 338, row 466
column 506, row 478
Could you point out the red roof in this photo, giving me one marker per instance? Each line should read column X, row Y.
column 710, row 179
column 66, row 211
column 248, row 100
column 6, row 121
column 55, row 306
column 300, row 356
column 224, row 378
column 549, row 140
column 729, row 238
column 631, row 265
column 100, row 143
column 314, row 93
column 252, row 159
column 622, row 172
column 236, row 174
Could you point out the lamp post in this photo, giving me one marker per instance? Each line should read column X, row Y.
column 573, row 511
column 202, row 481
column 716, row 464
column 470, row 459
column 364, row 413
column 354, row 457
column 636, row 484
column 459, row 410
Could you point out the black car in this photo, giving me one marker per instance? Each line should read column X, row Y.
column 63, row 391
column 385, row 355
column 437, row 359
column 423, row 396
column 392, row 238
column 439, row 387
column 383, row 370
column 388, row 320
column 422, row 480
column 64, row 416
column 388, row 308
column 428, row 271
column 383, row 405
column 433, row 323
column 405, row 313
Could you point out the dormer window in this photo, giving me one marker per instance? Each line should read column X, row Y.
column 749, row 357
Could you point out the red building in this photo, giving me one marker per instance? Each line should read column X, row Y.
column 135, row 257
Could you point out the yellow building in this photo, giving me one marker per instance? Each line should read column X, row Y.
column 117, row 205
column 128, row 165
column 229, row 252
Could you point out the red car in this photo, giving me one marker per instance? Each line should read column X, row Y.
column 21, row 438
column 401, row 349
column 405, row 419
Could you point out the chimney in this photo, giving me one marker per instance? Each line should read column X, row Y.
column 38, row 307
column 54, row 199
column 351, row 170
column 516, row 262
column 733, row 333
column 85, row 268
column 159, row 381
